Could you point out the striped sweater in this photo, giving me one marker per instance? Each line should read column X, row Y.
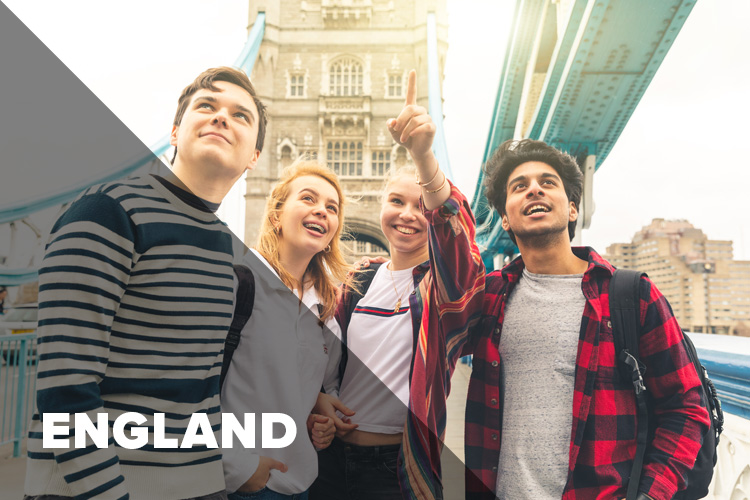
column 135, row 299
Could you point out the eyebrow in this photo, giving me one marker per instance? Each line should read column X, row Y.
column 396, row 193
column 545, row 175
column 310, row 190
column 215, row 100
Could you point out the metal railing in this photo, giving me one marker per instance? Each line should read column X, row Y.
column 727, row 360
column 17, row 387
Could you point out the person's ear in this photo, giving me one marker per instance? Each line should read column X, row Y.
column 253, row 161
column 173, row 135
column 573, row 215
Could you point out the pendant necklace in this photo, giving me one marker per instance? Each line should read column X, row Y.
column 399, row 295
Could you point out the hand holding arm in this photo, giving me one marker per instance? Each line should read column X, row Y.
column 327, row 406
column 321, row 430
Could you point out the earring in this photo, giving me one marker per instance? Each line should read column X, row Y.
column 327, row 248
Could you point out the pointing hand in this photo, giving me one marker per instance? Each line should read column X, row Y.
column 413, row 128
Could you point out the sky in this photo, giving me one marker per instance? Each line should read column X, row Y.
column 681, row 156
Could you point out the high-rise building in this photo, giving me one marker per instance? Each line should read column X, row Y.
column 708, row 290
column 332, row 72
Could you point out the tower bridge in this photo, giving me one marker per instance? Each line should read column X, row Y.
column 333, row 71
column 574, row 72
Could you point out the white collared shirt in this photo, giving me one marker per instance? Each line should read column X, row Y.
column 283, row 359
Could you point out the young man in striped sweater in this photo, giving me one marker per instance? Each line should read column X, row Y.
column 135, row 299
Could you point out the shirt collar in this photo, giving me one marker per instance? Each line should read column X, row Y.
column 310, row 297
column 512, row 272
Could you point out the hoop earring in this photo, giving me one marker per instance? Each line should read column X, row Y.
column 327, row 248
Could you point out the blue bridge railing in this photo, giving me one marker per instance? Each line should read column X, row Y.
column 727, row 360
column 17, row 387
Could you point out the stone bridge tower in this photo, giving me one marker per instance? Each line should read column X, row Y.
column 331, row 73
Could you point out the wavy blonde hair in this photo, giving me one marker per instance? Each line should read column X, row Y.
column 325, row 269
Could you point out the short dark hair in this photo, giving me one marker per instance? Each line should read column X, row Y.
column 206, row 80
column 513, row 153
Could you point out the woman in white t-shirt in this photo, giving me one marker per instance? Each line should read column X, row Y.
column 379, row 334
column 288, row 347
column 387, row 450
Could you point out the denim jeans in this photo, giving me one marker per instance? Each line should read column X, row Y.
column 349, row 472
column 266, row 494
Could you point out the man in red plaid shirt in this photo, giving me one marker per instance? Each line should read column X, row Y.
column 547, row 415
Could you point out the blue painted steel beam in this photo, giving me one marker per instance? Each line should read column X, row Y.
column 602, row 62
column 16, row 277
column 507, row 101
column 249, row 54
column 604, row 65
column 17, row 211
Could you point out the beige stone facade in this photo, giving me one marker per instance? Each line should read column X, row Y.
column 708, row 290
column 332, row 72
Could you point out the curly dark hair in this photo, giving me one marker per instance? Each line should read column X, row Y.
column 513, row 153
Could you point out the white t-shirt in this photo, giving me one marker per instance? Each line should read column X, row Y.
column 380, row 342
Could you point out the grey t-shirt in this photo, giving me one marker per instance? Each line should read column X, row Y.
column 538, row 347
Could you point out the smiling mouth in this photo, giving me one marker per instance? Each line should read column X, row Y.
column 315, row 227
column 210, row 134
column 405, row 230
column 536, row 209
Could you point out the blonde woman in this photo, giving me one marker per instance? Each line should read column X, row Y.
column 288, row 348
column 393, row 335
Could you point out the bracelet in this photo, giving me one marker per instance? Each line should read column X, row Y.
column 445, row 181
column 437, row 171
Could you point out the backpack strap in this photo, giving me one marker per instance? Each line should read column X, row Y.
column 624, row 308
column 364, row 282
column 243, row 309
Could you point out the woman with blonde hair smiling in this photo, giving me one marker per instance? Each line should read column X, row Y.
column 397, row 326
column 282, row 359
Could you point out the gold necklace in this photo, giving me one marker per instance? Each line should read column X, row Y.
column 399, row 295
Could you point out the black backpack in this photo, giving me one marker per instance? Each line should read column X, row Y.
column 624, row 304
column 243, row 308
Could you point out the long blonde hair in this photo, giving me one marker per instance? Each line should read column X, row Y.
column 326, row 268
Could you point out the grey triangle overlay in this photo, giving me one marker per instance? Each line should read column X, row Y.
column 53, row 128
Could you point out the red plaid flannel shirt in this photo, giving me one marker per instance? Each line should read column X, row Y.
column 603, row 437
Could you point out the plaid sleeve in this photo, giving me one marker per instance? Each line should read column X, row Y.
column 451, row 295
column 457, row 269
column 674, row 384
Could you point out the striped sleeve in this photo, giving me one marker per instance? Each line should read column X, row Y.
column 84, row 274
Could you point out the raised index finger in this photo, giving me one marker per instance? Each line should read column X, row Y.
column 411, row 89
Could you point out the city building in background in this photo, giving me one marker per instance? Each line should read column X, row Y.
column 331, row 74
column 708, row 290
